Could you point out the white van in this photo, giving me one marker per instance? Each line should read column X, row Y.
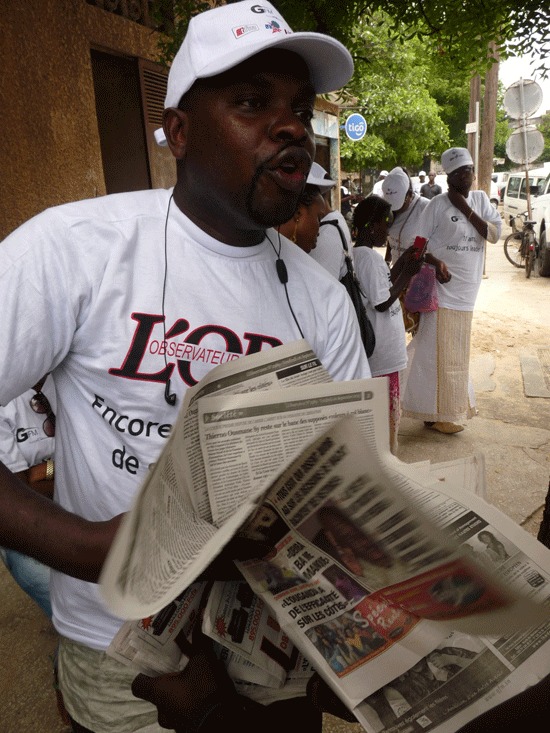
column 541, row 216
column 514, row 203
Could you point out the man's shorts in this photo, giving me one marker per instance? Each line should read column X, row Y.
column 97, row 692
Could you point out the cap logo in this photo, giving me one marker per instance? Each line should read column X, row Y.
column 243, row 30
column 274, row 27
column 391, row 192
column 260, row 9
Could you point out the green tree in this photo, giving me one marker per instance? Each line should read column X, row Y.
column 390, row 88
column 544, row 127
column 459, row 29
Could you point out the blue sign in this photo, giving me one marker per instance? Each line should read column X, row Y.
column 356, row 127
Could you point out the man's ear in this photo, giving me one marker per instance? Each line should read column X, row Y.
column 176, row 124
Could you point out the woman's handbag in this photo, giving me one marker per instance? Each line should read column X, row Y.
column 351, row 283
column 421, row 295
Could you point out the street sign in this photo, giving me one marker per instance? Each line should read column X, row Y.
column 471, row 127
column 356, row 126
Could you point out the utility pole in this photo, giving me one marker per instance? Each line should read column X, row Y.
column 486, row 151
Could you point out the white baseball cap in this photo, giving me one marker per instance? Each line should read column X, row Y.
column 422, row 173
column 395, row 187
column 223, row 37
column 454, row 158
column 317, row 177
column 384, row 173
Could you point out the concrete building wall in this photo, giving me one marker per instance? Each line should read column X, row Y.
column 49, row 142
column 50, row 149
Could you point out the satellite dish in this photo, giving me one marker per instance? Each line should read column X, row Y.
column 525, row 145
column 522, row 98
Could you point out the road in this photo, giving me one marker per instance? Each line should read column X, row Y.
column 512, row 431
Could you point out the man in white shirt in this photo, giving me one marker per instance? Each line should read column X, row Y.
column 134, row 297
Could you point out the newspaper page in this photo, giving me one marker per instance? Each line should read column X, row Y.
column 324, row 603
column 466, row 674
column 248, row 439
column 242, row 629
column 148, row 645
column 169, row 532
column 288, row 365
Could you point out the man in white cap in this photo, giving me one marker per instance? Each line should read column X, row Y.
column 407, row 208
column 134, row 297
column 457, row 226
column 419, row 181
column 377, row 188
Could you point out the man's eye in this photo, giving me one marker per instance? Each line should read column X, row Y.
column 306, row 115
column 252, row 102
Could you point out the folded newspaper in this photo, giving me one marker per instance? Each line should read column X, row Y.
column 380, row 577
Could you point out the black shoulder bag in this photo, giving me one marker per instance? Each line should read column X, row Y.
column 351, row 283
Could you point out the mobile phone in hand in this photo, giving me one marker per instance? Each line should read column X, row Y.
column 419, row 247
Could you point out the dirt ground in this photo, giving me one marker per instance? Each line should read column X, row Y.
column 512, row 318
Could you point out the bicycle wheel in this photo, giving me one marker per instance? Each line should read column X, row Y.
column 512, row 249
column 529, row 244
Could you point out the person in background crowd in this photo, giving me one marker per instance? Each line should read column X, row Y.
column 381, row 288
column 303, row 227
column 431, row 188
column 347, row 198
column 419, row 181
column 407, row 208
column 377, row 188
column 329, row 252
column 456, row 225
column 198, row 265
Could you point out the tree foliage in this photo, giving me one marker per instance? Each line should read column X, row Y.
column 390, row 88
column 413, row 61
column 544, row 127
column 461, row 30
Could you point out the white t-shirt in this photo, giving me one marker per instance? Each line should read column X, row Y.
column 390, row 352
column 329, row 251
column 92, row 273
column 23, row 442
column 453, row 239
column 404, row 229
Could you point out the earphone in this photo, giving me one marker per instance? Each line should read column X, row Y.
column 169, row 396
column 282, row 274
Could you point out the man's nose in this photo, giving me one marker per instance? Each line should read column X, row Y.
column 288, row 125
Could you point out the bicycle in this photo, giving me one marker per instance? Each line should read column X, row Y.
column 522, row 248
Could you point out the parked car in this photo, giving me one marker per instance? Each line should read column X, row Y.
column 514, row 204
column 500, row 179
column 494, row 195
column 540, row 209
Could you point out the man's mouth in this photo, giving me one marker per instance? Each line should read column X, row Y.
column 290, row 169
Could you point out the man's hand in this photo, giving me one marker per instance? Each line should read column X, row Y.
column 238, row 548
column 457, row 199
column 324, row 699
column 441, row 271
column 203, row 690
